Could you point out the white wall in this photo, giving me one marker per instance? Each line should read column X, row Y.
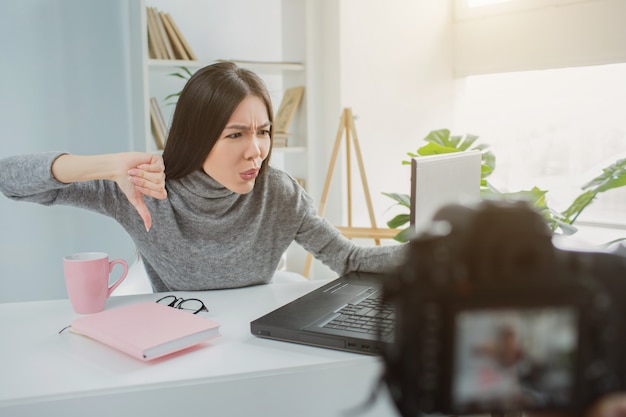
column 396, row 75
column 62, row 82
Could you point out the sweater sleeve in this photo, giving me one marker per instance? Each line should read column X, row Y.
column 326, row 243
column 29, row 178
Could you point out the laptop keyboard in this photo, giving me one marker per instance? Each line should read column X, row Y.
column 369, row 316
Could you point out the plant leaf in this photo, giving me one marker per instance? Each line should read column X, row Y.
column 440, row 137
column 399, row 221
column 172, row 96
column 534, row 196
column 185, row 74
column 189, row 74
column 468, row 140
column 430, row 149
column 401, row 199
column 454, row 141
column 488, row 164
column 405, row 235
column 607, row 172
column 613, row 176
column 566, row 228
column 573, row 211
column 435, row 149
column 179, row 75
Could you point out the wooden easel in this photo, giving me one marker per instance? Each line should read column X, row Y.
column 347, row 126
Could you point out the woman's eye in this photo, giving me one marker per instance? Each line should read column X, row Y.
column 234, row 135
column 264, row 132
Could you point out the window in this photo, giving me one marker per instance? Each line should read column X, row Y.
column 555, row 129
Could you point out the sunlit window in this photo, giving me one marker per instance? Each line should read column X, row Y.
column 555, row 129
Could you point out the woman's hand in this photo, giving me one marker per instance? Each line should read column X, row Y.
column 146, row 177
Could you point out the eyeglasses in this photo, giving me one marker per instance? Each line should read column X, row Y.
column 190, row 304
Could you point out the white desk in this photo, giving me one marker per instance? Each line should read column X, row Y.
column 43, row 373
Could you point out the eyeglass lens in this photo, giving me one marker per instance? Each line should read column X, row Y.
column 190, row 304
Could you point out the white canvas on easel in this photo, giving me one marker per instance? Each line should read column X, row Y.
column 437, row 180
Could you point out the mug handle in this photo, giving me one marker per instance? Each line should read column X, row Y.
column 121, row 278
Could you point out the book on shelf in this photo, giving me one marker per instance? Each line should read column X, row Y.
column 157, row 124
column 165, row 40
column 156, row 31
column 154, row 47
column 163, row 34
column 287, row 109
column 177, row 46
column 146, row 330
column 179, row 35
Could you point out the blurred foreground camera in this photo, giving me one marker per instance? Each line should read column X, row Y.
column 492, row 317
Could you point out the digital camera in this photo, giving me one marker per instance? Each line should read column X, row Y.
column 492, row 317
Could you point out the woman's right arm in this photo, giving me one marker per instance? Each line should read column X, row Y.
column 137, row 174
column 76, row 168
column 34, row 177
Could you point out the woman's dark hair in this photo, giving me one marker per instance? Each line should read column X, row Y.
column 204, row 107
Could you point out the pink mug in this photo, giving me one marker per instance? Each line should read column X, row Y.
column 87, row 280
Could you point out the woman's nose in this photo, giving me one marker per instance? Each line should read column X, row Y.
column 254, row 148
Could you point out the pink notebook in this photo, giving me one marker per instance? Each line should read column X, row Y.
column 146, row 330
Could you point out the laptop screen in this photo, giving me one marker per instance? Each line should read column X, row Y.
column 437, row 180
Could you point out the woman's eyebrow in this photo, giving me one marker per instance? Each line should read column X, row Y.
column 247, row 127
column 237, row 126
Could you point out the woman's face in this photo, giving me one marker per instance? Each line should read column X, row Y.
column 236, row 158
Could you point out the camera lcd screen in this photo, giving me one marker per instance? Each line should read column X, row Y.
column 514, row 358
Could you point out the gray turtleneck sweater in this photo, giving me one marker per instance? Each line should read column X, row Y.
column 203, row 235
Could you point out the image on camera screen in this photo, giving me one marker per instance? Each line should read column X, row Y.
column 514, row 358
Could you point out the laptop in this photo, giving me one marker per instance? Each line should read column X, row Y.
column 344, row 314
column 347, row 313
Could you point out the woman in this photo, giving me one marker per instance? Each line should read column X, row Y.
column 224, row 217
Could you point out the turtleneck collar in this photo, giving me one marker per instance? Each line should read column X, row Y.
column 202, row 185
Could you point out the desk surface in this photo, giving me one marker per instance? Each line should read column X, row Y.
column 237, row 374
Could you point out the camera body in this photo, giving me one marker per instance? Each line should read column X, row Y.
column 491, row 317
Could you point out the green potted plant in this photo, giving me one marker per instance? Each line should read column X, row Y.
column 440, row 141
